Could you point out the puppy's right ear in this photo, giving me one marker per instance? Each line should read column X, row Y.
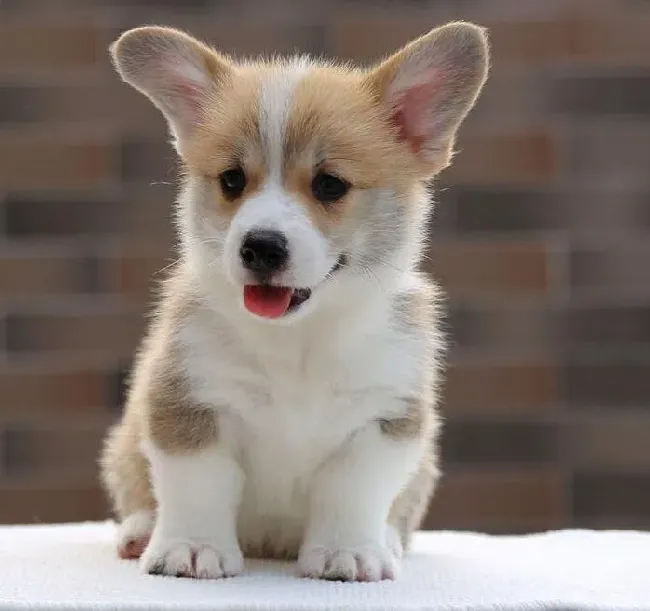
column 430, row 85
column 175, row 71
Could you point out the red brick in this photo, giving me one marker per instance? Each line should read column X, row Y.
column 514, row 159
column 115, row 334
column 617, row 267
column 499, row 499
column 624, row 39
column 608, row 39
column 47, row 163
column 26, row 45
column 30, row 276
column 91, row 101
column 135, row 276
column 51, row 503
column 608, row 152
column 247, row 38
column 523, row 331
column 142, row 218
column 50, row 451
column 544, row 41
column 367, row 38
column 479, row 269
column 506, row 389
column 612, row 441
column 59, row 393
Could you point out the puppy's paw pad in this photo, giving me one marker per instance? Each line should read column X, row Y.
column 133, row 534
column 191, row 559
column 348, row 564
column 133, row 548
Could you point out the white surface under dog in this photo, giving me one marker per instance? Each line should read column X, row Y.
column 75, row 567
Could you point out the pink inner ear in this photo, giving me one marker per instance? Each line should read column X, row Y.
column 190, row 93
column 413, row 113
column 180, row 90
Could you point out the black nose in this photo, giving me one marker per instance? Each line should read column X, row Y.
column 264, row 252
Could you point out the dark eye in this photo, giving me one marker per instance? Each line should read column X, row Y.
column 328, row 188
column 233, row 182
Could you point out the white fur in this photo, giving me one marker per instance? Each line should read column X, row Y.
column 275, row 104
column 198, row 497
column 274, row 209
column 349, row 504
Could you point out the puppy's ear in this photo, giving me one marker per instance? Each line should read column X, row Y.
column 175, row 71
column 430, row 85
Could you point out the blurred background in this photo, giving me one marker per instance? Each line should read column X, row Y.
column 541, row 239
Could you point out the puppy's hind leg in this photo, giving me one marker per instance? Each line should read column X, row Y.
column 125, row 474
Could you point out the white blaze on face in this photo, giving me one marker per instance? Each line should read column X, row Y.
column 276, row 95
column 272, row 208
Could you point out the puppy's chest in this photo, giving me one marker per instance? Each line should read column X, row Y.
column 294, row 421
column 284, row 416
column 282, row 435
column 288, row 411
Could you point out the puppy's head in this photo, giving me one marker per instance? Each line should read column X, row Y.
column 304, row 179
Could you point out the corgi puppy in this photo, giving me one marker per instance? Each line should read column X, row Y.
column 283, row 401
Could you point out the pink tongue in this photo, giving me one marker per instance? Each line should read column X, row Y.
column 267, row 301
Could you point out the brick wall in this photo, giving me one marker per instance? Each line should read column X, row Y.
column 541, row 240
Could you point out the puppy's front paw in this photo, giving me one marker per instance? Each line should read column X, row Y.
column 355, row 563
column 185, row 558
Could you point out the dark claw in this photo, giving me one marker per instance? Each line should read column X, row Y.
column 335, row 577
column 185, row 574
column 157, row 569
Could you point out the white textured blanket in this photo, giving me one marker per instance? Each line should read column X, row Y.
column 74, row 567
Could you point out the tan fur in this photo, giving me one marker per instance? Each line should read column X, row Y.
column 157, row 408
column 350, row 130
column 408, row 426
column 124, row 469
column 410, row 506
column 416, row 312
column 229, row 134
column 317, row 125
column 175, row 426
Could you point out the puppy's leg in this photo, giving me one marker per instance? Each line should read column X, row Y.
column 347, row 535
column 412, row 503
column 125, row 474
column 198, row 486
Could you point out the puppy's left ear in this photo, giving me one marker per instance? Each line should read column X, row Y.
column 430, row 85
column 176, row 72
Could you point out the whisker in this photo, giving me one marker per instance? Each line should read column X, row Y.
column 164, row 269
column 371, row 274
column 208, row 241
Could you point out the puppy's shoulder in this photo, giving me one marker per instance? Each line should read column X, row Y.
column 173, row 306
column 417, row 307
